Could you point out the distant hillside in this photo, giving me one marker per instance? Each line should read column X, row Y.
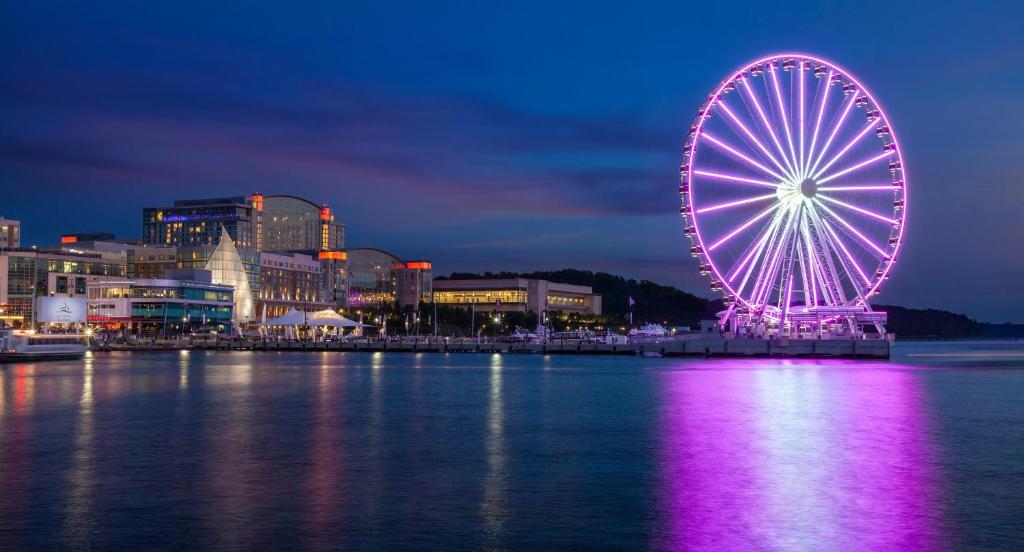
column 666, row 304
column 654, row 302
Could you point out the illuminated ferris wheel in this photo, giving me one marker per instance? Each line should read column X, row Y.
column 794, row 191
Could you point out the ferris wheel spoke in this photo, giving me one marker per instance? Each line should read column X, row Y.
column 753, row 138
column 811, row 265
column 804, row 271
column 763, row 248
column 849, row 257
column 735, row 178
column 766, row 281
column 860, row 188
column 782, row 111
column 757, row 245
column 768, row 126
column 800, row 79
column 823, row 270
column 835, row 130
column 827, row 273
column 871, row 214
column 742, row 227
column 870, row 126
column 817, row 124
column 740, row 155
column 860, row 165
column 852, row 229
column 737, row 203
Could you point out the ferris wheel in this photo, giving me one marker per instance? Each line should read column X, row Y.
column 793, row 187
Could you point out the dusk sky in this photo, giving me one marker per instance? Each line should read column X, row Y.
column 485, row 136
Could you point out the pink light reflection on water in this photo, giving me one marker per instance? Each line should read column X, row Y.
column 771, row 455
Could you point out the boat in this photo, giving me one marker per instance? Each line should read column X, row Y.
column 24, row 346
column 649, row 330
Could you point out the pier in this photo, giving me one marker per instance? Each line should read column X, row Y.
column 698, row 345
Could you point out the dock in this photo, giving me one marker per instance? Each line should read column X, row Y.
column 697, row 345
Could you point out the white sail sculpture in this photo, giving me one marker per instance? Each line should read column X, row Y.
column 227, row 268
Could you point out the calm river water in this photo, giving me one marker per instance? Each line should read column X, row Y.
column 396, row 451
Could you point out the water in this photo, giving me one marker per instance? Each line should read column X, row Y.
column 398, row 451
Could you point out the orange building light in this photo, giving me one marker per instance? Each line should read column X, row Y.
column 325, row 213
column 257, row 201
column 333, row 255
column 68, row 239
column 418, row 265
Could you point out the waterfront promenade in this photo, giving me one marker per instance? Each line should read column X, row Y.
column 685, row 345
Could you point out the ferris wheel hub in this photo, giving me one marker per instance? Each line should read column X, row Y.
column 809, row 188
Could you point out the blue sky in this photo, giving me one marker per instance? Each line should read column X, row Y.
column 498, row 136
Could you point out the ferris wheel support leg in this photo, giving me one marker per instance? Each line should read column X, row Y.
column 728, row 318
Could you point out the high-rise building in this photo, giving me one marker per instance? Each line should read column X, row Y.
column 294, row 224
column 196, row 222
column 10, row 233
column 289, row 280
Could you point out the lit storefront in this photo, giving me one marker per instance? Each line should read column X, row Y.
column 160, row 306
column 29, row 273
column 517, row 294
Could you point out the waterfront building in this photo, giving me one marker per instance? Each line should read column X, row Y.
column 294, row 224
column 198, row 222
column 291, row 280
column 377, row 277
column 10, row 233
column 517, row 294
column 186, row 301
column 29, row 273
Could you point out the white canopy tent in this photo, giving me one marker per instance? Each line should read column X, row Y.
column 291, row 317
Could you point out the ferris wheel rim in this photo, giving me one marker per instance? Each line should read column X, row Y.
column 688, row 167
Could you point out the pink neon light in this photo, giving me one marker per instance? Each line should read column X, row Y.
column 882, row 218
column 733, row 178
column 855, row 167
column 800, row 72
column 821, row 112
column 850, row 227
column 743, row 227
column 835, row 130
column 760, row 245
column 782, row 110
column 762, row 147
column 771, row 129
column 736, row 203
column 860, row 90
column 835, row 236
column 740, row 155
column 859, row 188
column 870, row 126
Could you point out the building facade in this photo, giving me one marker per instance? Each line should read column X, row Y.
column 29, row 273
column 289, row 281
column 151, row 306
column 517, row 294
column 377, row 277
column 10, row 233
column 197, row 222
column 294, row 224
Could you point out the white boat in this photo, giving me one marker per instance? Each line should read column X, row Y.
column 649, row 330
column 22, row 346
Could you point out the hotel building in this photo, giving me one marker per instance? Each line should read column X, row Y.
column 517, row 294
column 197, row 222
